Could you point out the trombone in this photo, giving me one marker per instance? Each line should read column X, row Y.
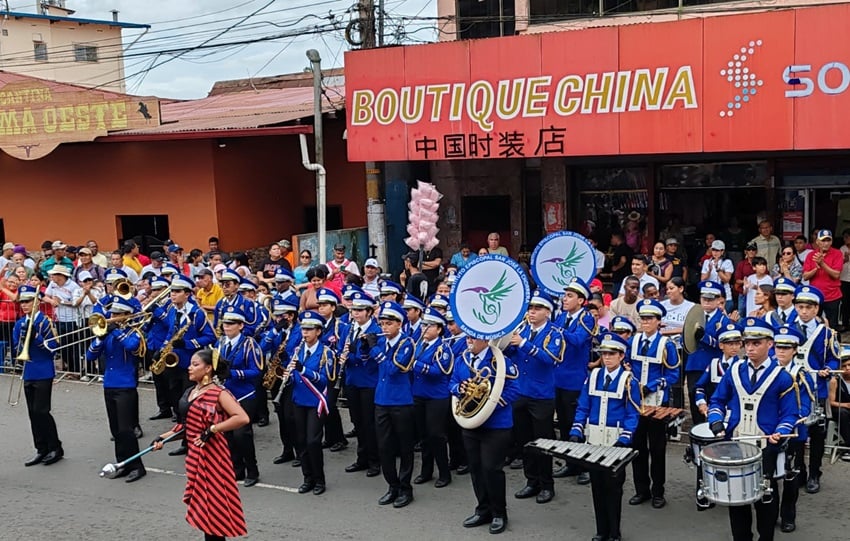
column 98, row 324
column 23, row 357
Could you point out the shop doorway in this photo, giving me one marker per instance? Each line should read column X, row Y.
column 149, row 231
column 483, row 214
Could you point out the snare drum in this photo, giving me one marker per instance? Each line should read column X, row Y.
column 732, row 473
column 700, row 435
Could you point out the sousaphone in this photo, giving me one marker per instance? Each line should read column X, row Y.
column 488, row 301
column 693, row 321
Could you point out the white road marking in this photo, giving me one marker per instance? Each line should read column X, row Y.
column 261, row 485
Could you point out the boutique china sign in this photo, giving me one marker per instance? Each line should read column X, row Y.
column 765, row 81
column 35, row 118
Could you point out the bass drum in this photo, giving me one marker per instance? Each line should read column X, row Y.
column 475, row 407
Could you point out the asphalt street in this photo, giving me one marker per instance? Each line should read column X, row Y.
column 69, row 500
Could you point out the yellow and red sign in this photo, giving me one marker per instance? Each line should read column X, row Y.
column 35, row 118
column 765, row 81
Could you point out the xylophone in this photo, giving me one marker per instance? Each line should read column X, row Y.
column 669, row 416
column 597, row 457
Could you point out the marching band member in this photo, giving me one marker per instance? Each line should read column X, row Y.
column 457, row 453
column 333, row 337
column 157, row 332
column 414, row 308
column 487, row 445
column 312, row 369
column 38, row 373
column 535, row 350
column 248, row 290
column 245, row 360
column 712, row 301
column 623, row 327
column 361, row 378
column 122, row 349
column 607, row 414
column 578, row 327
column 394, row 405
column 819, row 353
column 785, row 314
column 391, row 291
column 730, row 344
column 654, row 362
column 759, row 396
column 229, row 282
column 281, row 340
column 192, row 331
column 283, row 282
column 112, row 276
column 785, row 345
column 432, row 369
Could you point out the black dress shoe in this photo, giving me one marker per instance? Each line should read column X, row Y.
column 53, row 457
column 135, row 475
column 138, row 432
column 463, row 469
column 442, row 482
column 36, row 459
column 403, row 500
column 545, row 496
column 420, row 479
column 527, row 492
column 373, row 472
column 182, row 450
column 638, row 499
column 498, row 525
column 658, row 502
column 306, row 487
column 339, row 446
column 251, row 481
column 352, row 468
column 296, row 462
column 787, row 527
column 813, row 485
column 599, row 538
column 326, row 444
column 388, row 498
column 564, row 471
column 476, row 520
column 350, row 434
column 319, row 489
column 263, row 422
column 123, row 472
column 160, row 415
column 285, row 457
column 584, row 478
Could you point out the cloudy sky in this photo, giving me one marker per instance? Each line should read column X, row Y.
column 184, row 24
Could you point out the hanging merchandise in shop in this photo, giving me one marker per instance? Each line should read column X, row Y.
column 764, row 81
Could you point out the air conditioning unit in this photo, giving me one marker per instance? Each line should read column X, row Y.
column 37, row 37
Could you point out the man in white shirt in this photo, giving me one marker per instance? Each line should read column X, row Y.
column 371, row 278
column 117, row 261
column 64, row 294
column 97, row 258
column 639, row 265
column 155, row 266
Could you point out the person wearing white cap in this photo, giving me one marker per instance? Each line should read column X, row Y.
column 822, row 269
column 64, row 294
column 718, row 268
column 654, row 362
column 711, row 300
column 758, row 385
column 608, row 414
column 371, row 278
column 536, row 349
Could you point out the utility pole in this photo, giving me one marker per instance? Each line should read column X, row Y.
column 376, row 218
column 318, row 136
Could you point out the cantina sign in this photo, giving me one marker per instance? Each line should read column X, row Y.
column 754, row 82
column 35, row 119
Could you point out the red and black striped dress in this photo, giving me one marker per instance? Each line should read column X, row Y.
column 211, row 492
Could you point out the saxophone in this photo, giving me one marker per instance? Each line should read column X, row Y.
column 274, row 370
column 167, row 357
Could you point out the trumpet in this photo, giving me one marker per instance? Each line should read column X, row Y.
column 24, row 357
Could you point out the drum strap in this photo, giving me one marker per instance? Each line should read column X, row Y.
column 645, row 360
column 803, row 350
column 748, row 403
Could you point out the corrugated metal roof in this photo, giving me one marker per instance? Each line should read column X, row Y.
column 55, row 86
column 59, row 18
column 240, row 110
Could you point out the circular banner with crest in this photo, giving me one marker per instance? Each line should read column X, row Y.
column 490, row 297
column 558, row 258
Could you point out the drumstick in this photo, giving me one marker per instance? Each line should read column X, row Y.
column 765, row 437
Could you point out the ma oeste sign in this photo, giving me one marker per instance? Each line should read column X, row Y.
column 35, row 118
